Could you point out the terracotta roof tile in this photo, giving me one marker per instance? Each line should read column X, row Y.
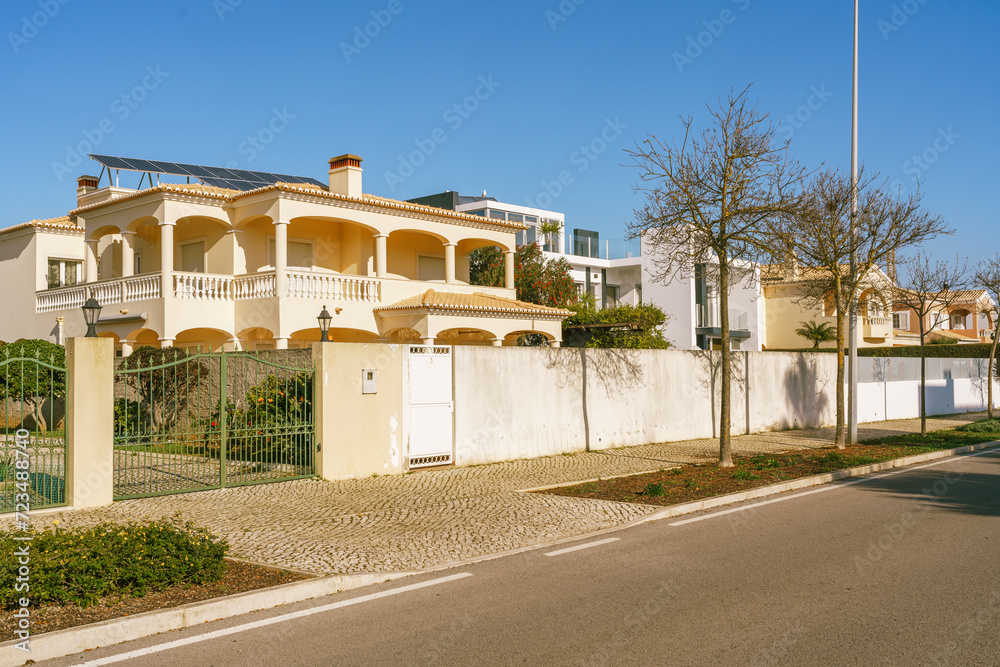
column 475, row 302
column 302, row 188
column 62, row 223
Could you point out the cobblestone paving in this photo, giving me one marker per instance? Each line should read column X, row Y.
column 407, row 522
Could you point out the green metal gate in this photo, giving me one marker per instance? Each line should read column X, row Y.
column 190, row 422
column 32, row 432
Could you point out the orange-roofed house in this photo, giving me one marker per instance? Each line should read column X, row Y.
column 223, row 265
column 969, row 318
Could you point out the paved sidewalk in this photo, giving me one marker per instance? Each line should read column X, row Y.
column 413, row 521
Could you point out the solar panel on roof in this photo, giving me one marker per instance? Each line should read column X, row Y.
column 237, row 179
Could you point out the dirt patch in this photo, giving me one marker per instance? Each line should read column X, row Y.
column 698, row 481
column 239, row 578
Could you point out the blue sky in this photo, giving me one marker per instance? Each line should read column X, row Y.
column 284, row 87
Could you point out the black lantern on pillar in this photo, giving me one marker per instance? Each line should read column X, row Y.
column 91, row 313
column 324, row 320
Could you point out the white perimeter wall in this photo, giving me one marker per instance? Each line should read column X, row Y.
column 513, row 403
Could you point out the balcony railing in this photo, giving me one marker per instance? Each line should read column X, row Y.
column 254, row 286
column 119, row 290
column 203, row 286
column 710, row 318
column 211, row 287
column 586, row 246
column 335, row 288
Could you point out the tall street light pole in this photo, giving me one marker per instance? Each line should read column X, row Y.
column 852, row 357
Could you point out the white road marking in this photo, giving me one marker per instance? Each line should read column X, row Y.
column 567, row 550
column 269, row 621
column 828, row 487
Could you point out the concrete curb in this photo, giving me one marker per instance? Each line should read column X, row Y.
column 114, row 631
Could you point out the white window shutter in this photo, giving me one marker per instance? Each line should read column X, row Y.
column 300, row 254
column 193, row 257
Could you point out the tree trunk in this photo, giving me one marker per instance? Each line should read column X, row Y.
column 725, row 446
column 989, row 373
column 923, row 381
column 840, row 438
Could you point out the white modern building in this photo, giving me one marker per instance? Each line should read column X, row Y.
column 620, row 272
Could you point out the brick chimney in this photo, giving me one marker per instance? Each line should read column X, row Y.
column 345, row 175
column 86, row 184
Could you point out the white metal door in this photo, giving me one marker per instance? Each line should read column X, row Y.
column 431, row 439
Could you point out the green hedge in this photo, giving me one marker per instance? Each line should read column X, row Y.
column 81, row 565
column 975, row 351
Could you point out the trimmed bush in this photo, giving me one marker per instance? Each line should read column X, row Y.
column 974, row 351
column 82, row 565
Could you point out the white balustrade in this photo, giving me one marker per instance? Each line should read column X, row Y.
column 256, row 286
column 63, row 298
column 141, row 288
column 333, row 287
column 209, row 287
column 202, row 286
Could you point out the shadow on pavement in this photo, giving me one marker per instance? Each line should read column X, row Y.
column 973, row 493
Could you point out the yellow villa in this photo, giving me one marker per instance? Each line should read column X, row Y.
column 786, row 306
column 196, row 265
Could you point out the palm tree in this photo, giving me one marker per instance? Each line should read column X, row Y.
column 817, row 333
column 549, row 230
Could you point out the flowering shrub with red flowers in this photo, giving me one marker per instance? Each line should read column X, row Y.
column 537, row 280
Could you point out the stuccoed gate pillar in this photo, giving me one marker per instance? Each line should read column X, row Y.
column 90, row 434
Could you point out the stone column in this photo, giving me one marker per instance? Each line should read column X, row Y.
column 381, row 254
column 91, row 262
column 166, row 259
column 508, row 257
column 128, row 254
column 90, row 422
column 497, row 342
column 281, row 343
column 449, row 263
column 281, row 258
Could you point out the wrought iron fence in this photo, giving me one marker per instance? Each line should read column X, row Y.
column 32, row 428
column 189, row 422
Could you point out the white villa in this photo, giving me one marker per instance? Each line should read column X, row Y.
column 194, row 265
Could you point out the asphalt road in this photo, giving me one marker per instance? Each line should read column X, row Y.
column 899, row 569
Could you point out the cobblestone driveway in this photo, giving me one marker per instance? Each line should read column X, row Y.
column 408, row 522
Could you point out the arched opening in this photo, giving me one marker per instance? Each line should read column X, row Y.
column 959, row 319
column 145, row 246
column 255, row 339
column 202, row 245
column 466, row 336
column 403, row 335
column 528, row 338
column 142, row 338
column 464, row 256
column 416, row 255
column 331, row 245
column 202, row 340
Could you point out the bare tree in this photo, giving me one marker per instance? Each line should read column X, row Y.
column 988, row 276
column 820, row 236
column 929, row 289
column 708, row 200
